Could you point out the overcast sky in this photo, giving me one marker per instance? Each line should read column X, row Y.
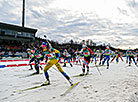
column 103, row 21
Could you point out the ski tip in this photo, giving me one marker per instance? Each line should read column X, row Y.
column 62, row 95
column 82, row 75
column 75, row 84
column 72, row 86
column 45, row 84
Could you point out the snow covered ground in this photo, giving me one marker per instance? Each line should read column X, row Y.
column 116, row 84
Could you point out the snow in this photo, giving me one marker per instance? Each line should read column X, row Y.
column 116, row 84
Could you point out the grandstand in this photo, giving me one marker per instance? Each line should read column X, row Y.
column 15, row 38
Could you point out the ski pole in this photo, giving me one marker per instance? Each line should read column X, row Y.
column 98, row 69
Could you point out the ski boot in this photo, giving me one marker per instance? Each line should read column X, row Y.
column 83, row 70
column 76, row 62
column 82, row 74
column 136, row 64
column 71, row 82
column 31, row 66
column 87, row 72
column 129, row 64
column 100, row 63
column 71, row 65
column 35, row 73
column 47, row 82
column 64, row 65
column 80, row 63
column 107, row 67
column 41, row 68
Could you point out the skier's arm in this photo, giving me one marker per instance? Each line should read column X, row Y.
column 46, row 59
column 81, row 51
column 91, row 51
column 103, row 52
column 57, row 53
column 111, row 52
column 126, row 53
column 64, row 54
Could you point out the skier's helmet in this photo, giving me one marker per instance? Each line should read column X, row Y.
column 33, row 51
column 45, row 44
column 84, row 46
column 28, row 49
column 107, row 47
column 65, row 50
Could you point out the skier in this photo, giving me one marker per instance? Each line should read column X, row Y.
column 78, row 56
column 137, row 55
column 67, row 57
column 87, row 52
column 131, row 55
column 74, row 56
column 53, row 56
column 32, row 58
column 101, row 56
column 119, row 55
column 127, row 55
column 115, row 55
column 70, row 51
column 95, row 55
column 107, row 53
column 38, row 57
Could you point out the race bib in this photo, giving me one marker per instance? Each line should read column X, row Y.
column 86, row 53
column 51, row 55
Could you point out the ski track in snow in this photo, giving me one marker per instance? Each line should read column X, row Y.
column 116, row 84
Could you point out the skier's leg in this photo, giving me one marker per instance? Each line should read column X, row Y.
column 65, row 62
column 104, row 60
column 134, row 60
column 129, row 60
column 108, row 58
column 48, row 65
column 63, row 73
column 68, row 59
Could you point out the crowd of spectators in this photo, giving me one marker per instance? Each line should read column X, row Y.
column 13, row 46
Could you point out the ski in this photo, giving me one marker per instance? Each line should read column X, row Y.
column 82, row 75
column 35, row 87
column 128, row 66
column 68, row 90
column 30, row 75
